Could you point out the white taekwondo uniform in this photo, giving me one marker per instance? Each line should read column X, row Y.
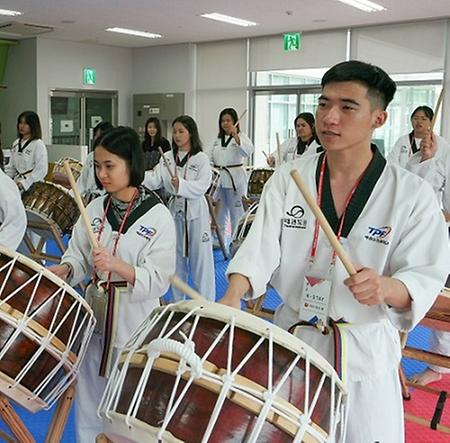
column 437, row 172
column 233, row 178
column 407, row 145
column 28, row 163
column 13, row 220
column 288, row 149
column 398, row 230
column 147, row 242
column 191, row 214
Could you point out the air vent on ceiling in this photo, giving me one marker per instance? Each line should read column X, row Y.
column 23, row 29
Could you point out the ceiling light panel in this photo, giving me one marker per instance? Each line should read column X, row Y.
column 134, row 32
column 9, row 13
column 228, row 19
column 364, row 5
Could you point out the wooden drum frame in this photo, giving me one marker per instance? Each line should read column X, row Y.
column 196, row 371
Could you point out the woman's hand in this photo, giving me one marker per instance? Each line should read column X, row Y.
column 104, row 261
column 175, row 182
column 270, row 159
column 428, row 147
column 62, row 271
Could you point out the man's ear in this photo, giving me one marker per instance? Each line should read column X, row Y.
column 380, row 118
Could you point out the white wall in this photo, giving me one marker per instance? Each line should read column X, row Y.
column 221, row 83
column 166, row 69
column 60, row 65
column 20, row 95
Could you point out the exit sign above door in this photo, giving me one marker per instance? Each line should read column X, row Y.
column 89, row 76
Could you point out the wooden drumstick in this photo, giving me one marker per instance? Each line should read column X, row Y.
column 185, row 288
column 79, row 201
column 436, row 109
column 323, row 222
column 278, row 147
column 240, row 118
column 166, row 163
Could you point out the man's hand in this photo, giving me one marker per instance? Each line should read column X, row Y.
column 237, row 287
column 104, row 261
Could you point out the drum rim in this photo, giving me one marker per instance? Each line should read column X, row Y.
column 48, row 274
column 254, row 324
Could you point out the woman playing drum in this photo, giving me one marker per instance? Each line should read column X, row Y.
column 137, row 253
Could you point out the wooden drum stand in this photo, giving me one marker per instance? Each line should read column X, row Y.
column 438, row 317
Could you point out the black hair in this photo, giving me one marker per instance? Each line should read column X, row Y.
column 426, row 110
column 147, row 143
column 309, row 118
column 189, row 123
column 233, row 114
column 32, row 120
column 124, row 142
column 380, row 87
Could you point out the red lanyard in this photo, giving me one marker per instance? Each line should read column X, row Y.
column 319, row 202
column 122, row 225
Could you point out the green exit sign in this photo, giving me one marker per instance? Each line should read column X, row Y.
column 292, row 41
column 89, row 76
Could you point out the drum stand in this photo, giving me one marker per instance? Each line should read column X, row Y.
column 215, row 226
column 20, row 431
column 435, row 319
column 46, row 231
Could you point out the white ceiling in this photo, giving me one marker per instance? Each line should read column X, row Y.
column 179, row 20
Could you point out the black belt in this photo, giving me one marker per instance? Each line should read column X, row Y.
column 227, row 169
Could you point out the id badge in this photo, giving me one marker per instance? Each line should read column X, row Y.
column 315, row 300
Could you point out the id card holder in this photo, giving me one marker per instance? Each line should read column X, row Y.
column 315, row 300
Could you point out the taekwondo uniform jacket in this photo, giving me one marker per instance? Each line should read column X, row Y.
column 395, row 227
column 86, row 181
column 402, row 150
column 289, row 149
column 147, row 243
column 13, row 220
column 233, row 154
column 30, row 165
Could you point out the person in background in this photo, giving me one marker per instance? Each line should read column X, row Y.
column 306, row 141
column 409, row 144
column 86, row 183
column 187, row 182
column 436, row 170
column 29, row 160
column 153, row 140
column 136, row 235
column 227, row 154
column 390, row 225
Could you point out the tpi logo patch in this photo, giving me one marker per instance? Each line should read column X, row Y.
column 146, row 232
column 379, row 235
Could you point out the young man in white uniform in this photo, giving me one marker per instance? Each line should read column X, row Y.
column 388, row 222
column 407, row 145
column 191, row 172
column 13, row 220
column 436, row 170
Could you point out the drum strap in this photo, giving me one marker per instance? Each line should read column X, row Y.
column 227, row 170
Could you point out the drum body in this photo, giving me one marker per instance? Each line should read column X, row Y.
column 214, row 187
column 59, row 175
column 195, row 372
column 244, row 225
column 257, row 180
column 48, row 203
column 45, row 327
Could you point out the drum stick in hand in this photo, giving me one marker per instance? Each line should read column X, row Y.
column 436, row 109
column 323, row 222
column 240, row 118
column 79, row 201
column 185, row 288
column 278, row 147
column 166, row 163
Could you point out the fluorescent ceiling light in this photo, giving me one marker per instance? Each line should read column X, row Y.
column 10, row 13
column 228, row 19
column 133, row 32
column 364, row 5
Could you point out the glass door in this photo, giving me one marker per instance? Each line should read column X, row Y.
column 98, row 108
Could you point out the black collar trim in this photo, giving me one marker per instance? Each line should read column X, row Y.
column 360, row 197
column 135, row 214
column 412, row 142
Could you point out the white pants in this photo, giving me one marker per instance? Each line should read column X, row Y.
column 375, row 412
column 231, row 203
column 90, row 387
column 200, row 258
column 440, row 343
